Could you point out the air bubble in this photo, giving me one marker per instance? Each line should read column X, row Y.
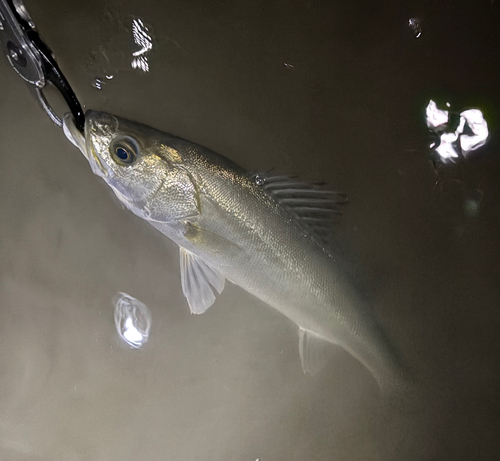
column 132, row 320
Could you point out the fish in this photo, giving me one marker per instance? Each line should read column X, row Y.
column 261, row 231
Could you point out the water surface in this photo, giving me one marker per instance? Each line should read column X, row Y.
column 331, row 91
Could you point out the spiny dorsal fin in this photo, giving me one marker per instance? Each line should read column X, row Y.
column 314, row 207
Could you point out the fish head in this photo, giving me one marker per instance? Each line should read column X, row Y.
column 146, row 173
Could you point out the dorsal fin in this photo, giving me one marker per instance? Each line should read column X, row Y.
column 316, row 208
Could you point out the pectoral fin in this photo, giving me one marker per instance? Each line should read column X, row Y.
column 314, row 351
column 199, row 282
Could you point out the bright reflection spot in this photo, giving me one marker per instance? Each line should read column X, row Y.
column 132, row 334
column 477, row 124
column 143, row 39
column 132, row 320
column 414, row 24
column 435, row 117
column 472, row 118
column 98, row 83
column 445, row 148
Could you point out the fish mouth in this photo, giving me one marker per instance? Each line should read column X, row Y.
column 84, row 143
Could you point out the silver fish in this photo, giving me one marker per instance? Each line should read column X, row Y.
column 261, row 232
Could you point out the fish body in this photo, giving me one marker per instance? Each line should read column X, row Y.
column 256, row 231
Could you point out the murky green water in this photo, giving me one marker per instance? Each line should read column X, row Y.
column 331, row 91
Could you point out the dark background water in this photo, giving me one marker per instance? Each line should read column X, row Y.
column 347, row 109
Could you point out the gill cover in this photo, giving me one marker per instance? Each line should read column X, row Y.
column 138, row 162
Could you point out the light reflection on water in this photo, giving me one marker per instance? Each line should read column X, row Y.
column 143, row 39
column 218, row 384
column 451, row 141
column 119, row 54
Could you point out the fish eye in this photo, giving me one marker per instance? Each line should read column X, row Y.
column 124, row 151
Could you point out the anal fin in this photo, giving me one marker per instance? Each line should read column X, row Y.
column 314, row 351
